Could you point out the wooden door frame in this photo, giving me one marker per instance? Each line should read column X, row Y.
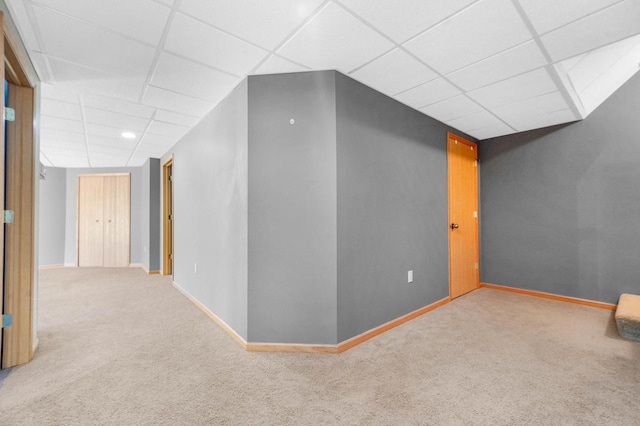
column 167, row 205
column 454, row 137
column 18, row 247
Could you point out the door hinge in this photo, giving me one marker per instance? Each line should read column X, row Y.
column 475, row 214
column 9, row 114
column 476, row 265
column 171, row 178
column 170, row 217
column 6, row 320
column 7, row 216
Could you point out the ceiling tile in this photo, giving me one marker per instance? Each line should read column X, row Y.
column 394, row 72
column 143, row 20
column 62, row 147
column 117, row 105
column 544, row 120
column 213, row 47
column 74, row 41
column 106, row 131
column 474, row 121
column 428, row 93
column 167, row 2
column 597, row 62
column 165, row 129
column 401, row 20
column 81, row 79
column 176, row 102
column 276, row 65
column 265, row 23
column 514, row 61
column 491, row 131
column 60, row 109
column 111, row 143
column 54, row 123
column 54, row 135
column 154, row 141
column 58, row 93
column 524, row 86
column 175, row 118
column 482, row 30
column 187, row 77
column 334, row 39
column 112, row 119
column 68, row 161
column 565, row 11
column 607, row 26
column 517, row 113
column 452, row 108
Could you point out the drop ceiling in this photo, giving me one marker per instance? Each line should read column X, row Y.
column 156, row 67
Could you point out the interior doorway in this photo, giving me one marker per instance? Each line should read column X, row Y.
column 167, row 217
column 463, row 215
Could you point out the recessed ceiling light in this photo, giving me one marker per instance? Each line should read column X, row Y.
column 128, row 135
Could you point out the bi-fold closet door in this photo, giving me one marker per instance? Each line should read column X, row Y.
column 104, row 220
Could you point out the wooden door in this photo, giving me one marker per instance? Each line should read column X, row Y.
column 2, row 182
column 463, row 215
column 90, row 221
column 167, row 221
column 19, row 235
column 117, row 215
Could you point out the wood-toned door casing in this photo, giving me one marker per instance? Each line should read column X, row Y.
column 167, row 217
column 463, row 215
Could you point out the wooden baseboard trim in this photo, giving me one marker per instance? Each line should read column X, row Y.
column 55, row 266
column 230, row 331
column 561, row 298
column 363, row 337
column 70, row 265
column 154, row 272
column 305, row 347
column 291, row 347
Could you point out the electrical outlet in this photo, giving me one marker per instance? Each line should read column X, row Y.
column 195, row 268
column 410, row 276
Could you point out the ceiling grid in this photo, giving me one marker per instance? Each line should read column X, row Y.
column 154, row 68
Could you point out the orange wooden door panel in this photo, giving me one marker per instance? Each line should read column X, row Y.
column 463, row 215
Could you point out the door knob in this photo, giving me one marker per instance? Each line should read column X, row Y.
column 454, row 226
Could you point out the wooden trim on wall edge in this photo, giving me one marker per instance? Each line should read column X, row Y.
column 230, row 331
column 54, row 266
column 363, row 337
column 558, row 297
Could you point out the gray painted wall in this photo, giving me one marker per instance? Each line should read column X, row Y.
column 392, row 208
column 560, row 206
column 155, row 214
column 150, row 215
column 292, row 208
column 51, row 216
column 210, row 209
column 136, row 210
column 145, row 217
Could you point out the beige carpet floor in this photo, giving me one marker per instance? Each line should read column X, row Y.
column 119, row 347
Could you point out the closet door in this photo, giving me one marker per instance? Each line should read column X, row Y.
column 116, row 220
column 90, row 221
